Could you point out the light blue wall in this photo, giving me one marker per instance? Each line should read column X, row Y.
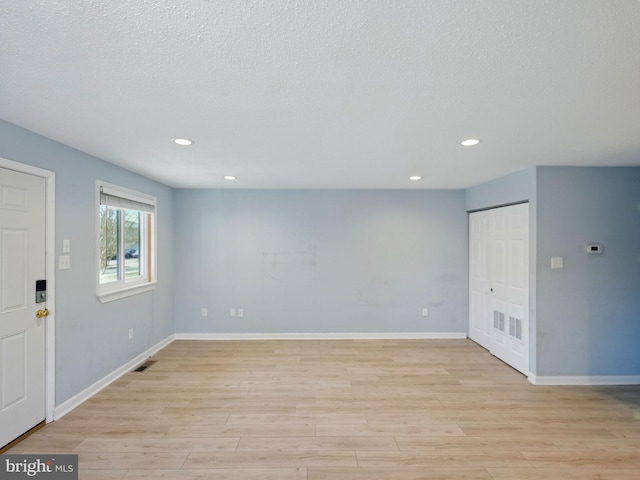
column 332, row 261
column 515, row 188
column 92, row 338
column 589, row 312
column 320, row 261
column 585, row 318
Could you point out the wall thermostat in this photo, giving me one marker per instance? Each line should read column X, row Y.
column 594, row 248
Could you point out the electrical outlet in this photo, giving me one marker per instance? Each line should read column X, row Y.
column 203, row 312
column 425, row 312
column 232, row 312
column 64, row 262
column 557, row 262
column 241, row 312
column 130, row 333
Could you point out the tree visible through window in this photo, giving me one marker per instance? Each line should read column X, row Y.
column 120, row 228
column 126, row 240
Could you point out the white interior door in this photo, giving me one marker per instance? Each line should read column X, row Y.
column 516, row 287
column 499, row 283
column 480, row 265
column 22, row 335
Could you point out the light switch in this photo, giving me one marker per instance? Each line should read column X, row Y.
column 66, row 246
column 557, row 262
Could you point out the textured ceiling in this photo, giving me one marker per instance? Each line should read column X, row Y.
column 327, row 93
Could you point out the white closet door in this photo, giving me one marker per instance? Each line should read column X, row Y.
column 517, row 289
column 480, row 298
column 506, row 286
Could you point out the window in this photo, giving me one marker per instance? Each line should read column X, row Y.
column 126, row 242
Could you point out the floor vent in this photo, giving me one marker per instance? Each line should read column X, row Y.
column 145, row 365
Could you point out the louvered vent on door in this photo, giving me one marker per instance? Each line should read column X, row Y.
column 515, row 327
column 498, row 320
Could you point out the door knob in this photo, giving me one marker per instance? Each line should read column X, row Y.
column 42, row 313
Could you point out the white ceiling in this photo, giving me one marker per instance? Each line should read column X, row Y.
column 327, row 93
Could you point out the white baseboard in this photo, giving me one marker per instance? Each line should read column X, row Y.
column 68, row 405
column 585, row 380
column 321, row 336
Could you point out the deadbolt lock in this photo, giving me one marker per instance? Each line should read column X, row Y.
column 42, row 313
column 41, row 291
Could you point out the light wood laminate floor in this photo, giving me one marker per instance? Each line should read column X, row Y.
column 345, row 410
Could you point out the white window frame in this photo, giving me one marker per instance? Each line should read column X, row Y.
column 108, row 292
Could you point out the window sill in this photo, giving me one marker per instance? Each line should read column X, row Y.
column 107, row 297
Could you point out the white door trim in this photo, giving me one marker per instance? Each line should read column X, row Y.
column 50, row 250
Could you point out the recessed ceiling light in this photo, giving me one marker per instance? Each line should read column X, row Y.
column 469, row 142
column 415, row 177
column 229, row 177
column 185, row 142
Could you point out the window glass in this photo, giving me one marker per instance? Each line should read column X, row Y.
column 126, row 243
column 132, row 243
column 109, row 226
